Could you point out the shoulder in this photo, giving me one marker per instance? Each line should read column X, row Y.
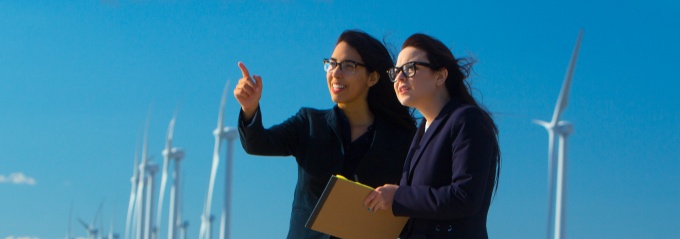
column 472, row 118
column 311, row 112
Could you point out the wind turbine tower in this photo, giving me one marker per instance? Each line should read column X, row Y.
column 230, row 133
column 151, row 168
column 220, row 134
column 164, row 174
column 557, row 177
column 175, row 154
column 141, row 181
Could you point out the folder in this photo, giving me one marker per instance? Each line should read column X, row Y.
column 340, row 213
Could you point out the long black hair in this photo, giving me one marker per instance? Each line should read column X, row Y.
column 382, row 100
column 456, row 84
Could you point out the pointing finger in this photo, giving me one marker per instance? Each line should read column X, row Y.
column 244, row 70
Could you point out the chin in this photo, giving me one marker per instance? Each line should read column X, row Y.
column 405, row 101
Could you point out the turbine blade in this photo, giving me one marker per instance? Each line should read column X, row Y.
column 546, row 125
column 166, row 161
column 220, row 116
column 98, row 212
column 131, row 203
column 566, row 85
column 87, row 227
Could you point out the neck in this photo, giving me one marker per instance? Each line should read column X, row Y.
column 357, row 114
column 431, row 109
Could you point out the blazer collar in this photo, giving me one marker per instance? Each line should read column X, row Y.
column 422, row 138
column 332, row 117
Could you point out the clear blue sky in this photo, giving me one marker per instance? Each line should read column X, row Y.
column 78, row 77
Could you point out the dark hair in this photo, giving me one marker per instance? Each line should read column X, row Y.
column 382, row 100
column 458, row 70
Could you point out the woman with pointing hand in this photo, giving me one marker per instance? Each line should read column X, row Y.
column 364, row 137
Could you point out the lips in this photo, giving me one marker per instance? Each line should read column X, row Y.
column 403, row 89
column 335, row 87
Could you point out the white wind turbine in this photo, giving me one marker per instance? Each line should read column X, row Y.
column 134, row 180
column 167, row 155
column 220, row 133
column 563, row 129
column 112, row 234
column 177, row 155
column 92, row 231
column 139, row 200
column 151, row 168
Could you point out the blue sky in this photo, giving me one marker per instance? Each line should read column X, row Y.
column 79, row 77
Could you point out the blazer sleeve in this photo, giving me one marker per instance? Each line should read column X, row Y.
column 472, row 159
column 279, row 140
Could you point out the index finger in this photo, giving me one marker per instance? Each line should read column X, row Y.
column 244, row 70
column 369, row 198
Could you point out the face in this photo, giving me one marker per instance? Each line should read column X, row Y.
column 349, row 85
column 419, row 89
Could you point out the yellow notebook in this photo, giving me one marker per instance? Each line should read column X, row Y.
column 340, row 212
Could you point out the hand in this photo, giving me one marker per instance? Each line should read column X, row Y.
column 381, row 198
column 248, row 92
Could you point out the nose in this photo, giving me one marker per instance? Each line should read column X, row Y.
column 400, row 76
column 336, row 72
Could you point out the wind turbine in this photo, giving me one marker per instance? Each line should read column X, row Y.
column 563, row 129
column 177, row 155
column 151, row 168
column 230, row 133
column 219, row 133
column 139, row 204
column 112, row 234
column 92, row 231
column 134, row 180
column 164, row 176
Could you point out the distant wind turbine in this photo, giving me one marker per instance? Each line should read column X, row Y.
column 177, row 155
column 164, row 173
column 563, row 129
column 139, row 204
column 151, row 168
column 219, row 133
column 92, row 231
column 134, row 180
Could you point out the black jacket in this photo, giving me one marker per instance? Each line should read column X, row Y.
column 314, row 138
column 449, row 176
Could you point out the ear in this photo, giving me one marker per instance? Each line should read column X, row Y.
column 441, row 76
column 373, row 78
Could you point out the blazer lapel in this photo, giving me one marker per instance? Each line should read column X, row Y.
column 332, row 119
column 427, row 135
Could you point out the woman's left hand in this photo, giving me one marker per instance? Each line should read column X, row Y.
column 381, row 198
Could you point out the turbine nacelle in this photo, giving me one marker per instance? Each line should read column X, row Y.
column 230, row 133
column 565, row 128
column 175, row 153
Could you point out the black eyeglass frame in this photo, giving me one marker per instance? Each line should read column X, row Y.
column 394, row 71
column 340, row 64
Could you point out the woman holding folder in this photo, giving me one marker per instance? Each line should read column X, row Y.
column 454, row 160
column 364, row 137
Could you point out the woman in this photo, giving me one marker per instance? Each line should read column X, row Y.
column 363, row 137
column 453, row 162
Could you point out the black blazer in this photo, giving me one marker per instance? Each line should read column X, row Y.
column 314, row 138
column 449, row 175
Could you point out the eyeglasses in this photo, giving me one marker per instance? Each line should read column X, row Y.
column 347, row 65
column 409, row 69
